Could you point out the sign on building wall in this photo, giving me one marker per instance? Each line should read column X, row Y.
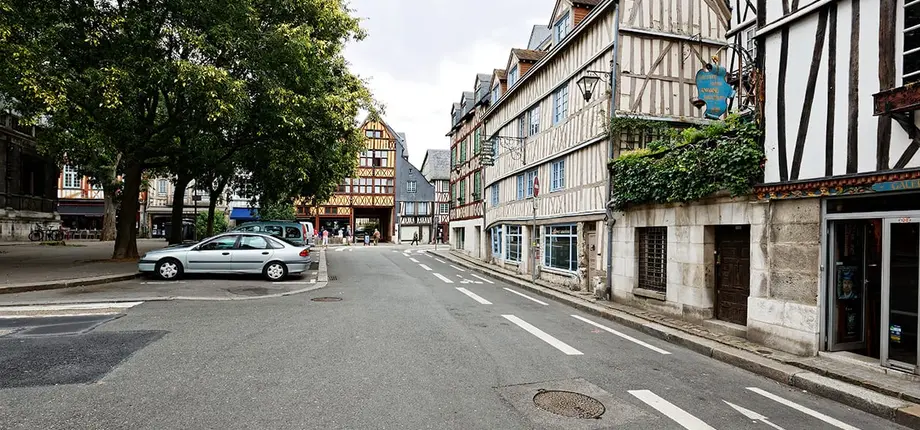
column 714, row 91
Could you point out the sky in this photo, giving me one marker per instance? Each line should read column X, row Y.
column 420, row 55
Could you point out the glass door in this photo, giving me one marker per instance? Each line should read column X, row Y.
column 849, row 259
column 900, row 283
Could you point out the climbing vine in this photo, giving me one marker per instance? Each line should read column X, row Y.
column 690, row 164
column 634, row 124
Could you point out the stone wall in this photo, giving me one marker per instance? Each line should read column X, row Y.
column 16, row 225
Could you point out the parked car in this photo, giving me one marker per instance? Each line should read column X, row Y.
column 308, row 232
column 292, row 231
column 273, row 257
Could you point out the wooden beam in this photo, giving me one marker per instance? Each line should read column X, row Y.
column 648, row 74
column 805, row 119
column 886, row 77
column 781, row 105
column 831, row 90
column 853, row 96
column 913, row 132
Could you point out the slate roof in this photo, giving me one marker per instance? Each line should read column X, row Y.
column 501, row 74
column 538, row 35
column 436, row 166
column 587, row 2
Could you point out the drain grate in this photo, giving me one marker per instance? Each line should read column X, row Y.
column 569, row 404
column 326, row 299
column 333, row 278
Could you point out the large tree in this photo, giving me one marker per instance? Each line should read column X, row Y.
column 154, row 76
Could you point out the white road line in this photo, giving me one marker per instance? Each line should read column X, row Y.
column 443, row 278
column 474, row 296
column 413, row 260
column 294, row 282
column 440, row 261
column 676, row 414
column 79, row 306
column 556, row 343
column 457, row 268
column 425, row 267
column 810, row 412
column 339, row 249
column 524, row 296
column 480, row 277
column 623, row 335
column 351, row 249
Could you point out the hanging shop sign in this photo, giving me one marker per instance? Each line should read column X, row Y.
column 713, row 90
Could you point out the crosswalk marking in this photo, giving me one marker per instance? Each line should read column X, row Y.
column 480, row 277
column 66, row 310
column 623, row 335
column 675, row 413
column 474, row 296
column 443, row 278
column 542, row 335
column 810, row 412
column 457, row 268
column 425, row 267
column 524, row 296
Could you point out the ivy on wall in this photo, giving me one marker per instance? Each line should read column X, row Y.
column 690, row 164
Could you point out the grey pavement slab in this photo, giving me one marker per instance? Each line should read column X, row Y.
column 34, row 263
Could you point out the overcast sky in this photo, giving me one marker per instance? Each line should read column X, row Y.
column 420, row 55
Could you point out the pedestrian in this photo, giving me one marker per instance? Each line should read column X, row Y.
column 414, row 239
column 376, row 237
column 325, row 238
column 367, row 239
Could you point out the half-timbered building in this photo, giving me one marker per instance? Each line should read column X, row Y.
column 414, row 199
column 436, row 168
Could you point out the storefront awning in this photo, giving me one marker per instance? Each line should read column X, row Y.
column 244, row 214
column 81, row 209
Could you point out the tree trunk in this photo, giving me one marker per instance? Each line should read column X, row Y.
column 126, row 238
column 108, row 219
column 212, row 202
column 176, row 235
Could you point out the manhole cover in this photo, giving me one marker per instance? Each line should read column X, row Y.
column 569, row 404
column 326, row 299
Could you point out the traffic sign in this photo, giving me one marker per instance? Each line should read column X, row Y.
column 536, row 186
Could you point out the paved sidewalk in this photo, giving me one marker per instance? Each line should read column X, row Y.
column 894, row 396
column 44, row 265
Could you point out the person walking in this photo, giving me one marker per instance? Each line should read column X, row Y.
column 367, row 239
column 414, row 239
column 325, row 238
column 376, row 237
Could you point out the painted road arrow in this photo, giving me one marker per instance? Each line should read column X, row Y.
column 753, row 416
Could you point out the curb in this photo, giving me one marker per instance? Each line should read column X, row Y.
column 898, row 410
column 67, row 283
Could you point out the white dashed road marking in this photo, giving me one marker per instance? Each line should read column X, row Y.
column 810, row 412
column 623, row 335
column 542, row 335
column 413, row 260
column 474, row 296
column 425, row 267
column 443, row 278
column 480, row 277
column 440, row 261
column 68, row 310
column 457, row 268
column 525, row 296
column 676, row 414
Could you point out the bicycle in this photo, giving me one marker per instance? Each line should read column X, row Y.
column 40, row 233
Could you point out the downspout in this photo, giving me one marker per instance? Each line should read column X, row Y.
column 611, row 139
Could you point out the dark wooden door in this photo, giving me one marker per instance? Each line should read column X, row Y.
column 733, row 273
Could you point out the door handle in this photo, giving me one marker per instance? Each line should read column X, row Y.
column 226, row 253
column 265, row 253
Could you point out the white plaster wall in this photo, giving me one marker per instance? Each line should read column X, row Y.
column 472, row 243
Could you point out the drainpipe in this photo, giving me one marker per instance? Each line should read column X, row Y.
column 611, row 139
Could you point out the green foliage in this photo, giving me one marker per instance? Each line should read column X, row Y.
column 690, row 165
column 632, row 124
column 201, row 224
column 280, row 211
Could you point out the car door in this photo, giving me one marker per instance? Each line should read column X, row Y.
column 213, row 256
column 294, row 234
column 252, row 254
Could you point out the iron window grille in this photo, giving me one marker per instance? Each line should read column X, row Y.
column 653, row 258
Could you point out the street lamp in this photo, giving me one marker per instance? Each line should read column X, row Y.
column 588, row 82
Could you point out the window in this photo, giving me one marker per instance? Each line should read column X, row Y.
column 513, row 76
column 374, row 159
column 562, row 27
column 462, row 197
column 477, row 142
column 161, row 186
column 221, row 243
column 561, row 104
column 513, row 240
column 557, row 178
column 534, row 117
column 293, row 233
column 71, row 177
column 444, row 208
column 494, row 189
column 410, row 208
column 653, row 258
column 560, row 251
column 751, row 42
column 529, row 176
column 453, row 194
column 497, row 242
column 423, row 208
column 411, row 186
column 520, row 186
column 374, row 134
column 253, row 242
column 496, row 93
column 463, row 151
column 477, row 185
column 522, row 126
column 911, row 42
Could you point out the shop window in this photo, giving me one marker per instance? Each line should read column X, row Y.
column 653, row 258
column 561, row 251
column 497, row 242
column 513, row 239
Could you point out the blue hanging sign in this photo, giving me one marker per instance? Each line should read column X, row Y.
column 713, row 90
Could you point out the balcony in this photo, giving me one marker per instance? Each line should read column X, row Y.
column 27, row 203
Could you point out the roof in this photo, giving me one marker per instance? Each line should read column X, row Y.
column 586, row 2
column 436, row 166
column 502, row 74
column 538, row 35
column 528, row 54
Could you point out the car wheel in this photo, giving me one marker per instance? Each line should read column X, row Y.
column 168, row 269
column 275, row 271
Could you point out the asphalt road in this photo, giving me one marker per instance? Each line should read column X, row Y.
column 403, row 349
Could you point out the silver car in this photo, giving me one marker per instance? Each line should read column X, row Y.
column 273, row 257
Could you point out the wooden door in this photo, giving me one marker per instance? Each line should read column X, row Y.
column 733, row 272
column 591, row 251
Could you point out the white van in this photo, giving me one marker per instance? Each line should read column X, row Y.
column 308, row 233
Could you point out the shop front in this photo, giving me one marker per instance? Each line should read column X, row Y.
column 872, row 278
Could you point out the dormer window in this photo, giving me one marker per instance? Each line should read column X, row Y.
column 513, row 76
column 563, row 27
column 496, row 93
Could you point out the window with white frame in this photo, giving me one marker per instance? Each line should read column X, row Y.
column 563, row 27
column 529, row 176
column 513, row 243
column 411, row 186
column 161, row 186
column 374, row 134
column 911, row 42
column 534, row 117
column 751, row 42
column 520, row 186
column 522, row 126
column 557, row 175
column 653, row 258
column 494, row 191
column 444, row 208
column 410, row 208
column 496, row 93
column 497, row 241
column 71, row 177
column 422, row 208
column 561, row 249
column 513, row 76
column 561, row 104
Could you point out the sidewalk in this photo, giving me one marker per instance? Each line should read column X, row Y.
column 893, row 395
column 30, row 266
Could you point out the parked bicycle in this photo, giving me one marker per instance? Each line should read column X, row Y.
column 41, row 233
